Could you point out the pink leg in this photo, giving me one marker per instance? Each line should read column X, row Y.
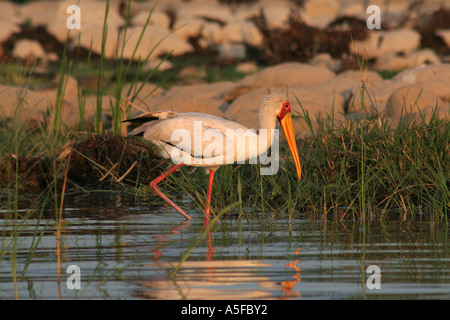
column 154, row 186
column 208, row 197
column 206, row 220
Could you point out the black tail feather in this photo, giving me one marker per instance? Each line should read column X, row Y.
column 137, row 122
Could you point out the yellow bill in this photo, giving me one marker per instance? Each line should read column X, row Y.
column 288, row 129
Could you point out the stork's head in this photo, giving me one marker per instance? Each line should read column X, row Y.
column 277, row 105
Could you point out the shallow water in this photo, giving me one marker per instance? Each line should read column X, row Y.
column 127, row 250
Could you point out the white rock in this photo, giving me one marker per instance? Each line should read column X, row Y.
column 245, row 108
column 39, row 13
column 438, row 89
column 368, row 75
column 376, row 95
column 92, row 14
column 7, row 28
column 212, row 34
column 319, row 13
column 161, row 40
column 339, row 86
column 287, row 74
column 162, row 65
column 141, row 95
column 34, row 108
column 408, row 75
column 328, row 100
column 209, row 10
column 200, row 91
column 348, row 83
column 383, row 42
column 157, row 18
column 186, row 104
column 246, row 12
column 91, row 37
column 445, row 35
column 243, row 32
column 425, row 74
column 39, row 105
column 411, row 99
column 52, row 56
column 326, row 60
column 29, row 50
column 92, row 18
column 276, row 12
column 91, row 107
column 392, row 61
column 400, row 40
column 187, row 28
column 70, row 113
column 140, row 6
column 9, row 12
column 391, row 10
column 353, row 9
column 142, row 90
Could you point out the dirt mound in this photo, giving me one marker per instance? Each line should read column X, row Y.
column 99, row 161
column 108, row 159
column 31, row 173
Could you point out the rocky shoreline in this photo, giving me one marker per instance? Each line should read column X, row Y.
column 413, row 39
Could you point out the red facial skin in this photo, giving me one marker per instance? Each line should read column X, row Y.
column 284, row 111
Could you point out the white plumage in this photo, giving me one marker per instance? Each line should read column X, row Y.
column 203, row 140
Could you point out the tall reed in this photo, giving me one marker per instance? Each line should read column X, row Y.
column 15, row 141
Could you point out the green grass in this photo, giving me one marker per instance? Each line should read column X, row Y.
column 365, row 170
column 353, row 170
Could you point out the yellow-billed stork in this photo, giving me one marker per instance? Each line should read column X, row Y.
column 204, row 140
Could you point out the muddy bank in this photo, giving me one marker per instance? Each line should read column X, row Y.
column 96, row 162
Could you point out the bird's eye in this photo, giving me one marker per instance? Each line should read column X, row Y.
column 286, row 105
